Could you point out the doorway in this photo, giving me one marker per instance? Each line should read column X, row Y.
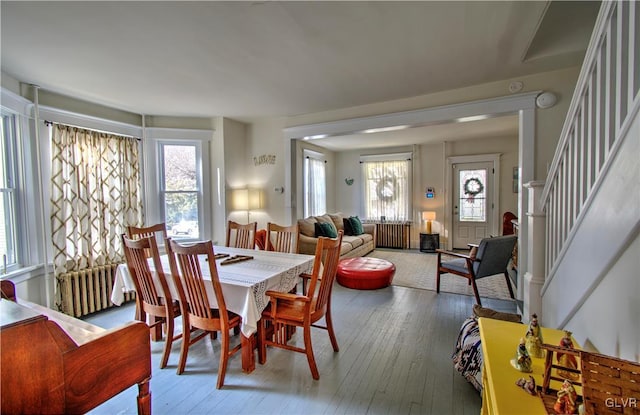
column 472, row 202
column 480, row 175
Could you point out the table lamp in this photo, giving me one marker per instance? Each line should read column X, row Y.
column 428, row 216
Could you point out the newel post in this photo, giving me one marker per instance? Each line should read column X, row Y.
column 535, row 274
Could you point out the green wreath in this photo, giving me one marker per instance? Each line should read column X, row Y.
column 386, row 188
column 473, row 187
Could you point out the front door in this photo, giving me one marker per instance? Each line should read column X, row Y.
column 472, row 203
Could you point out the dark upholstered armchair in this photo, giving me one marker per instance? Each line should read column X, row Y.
column 491, row 257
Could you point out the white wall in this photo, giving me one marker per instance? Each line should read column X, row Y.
column 266, row 176
column 608, row 319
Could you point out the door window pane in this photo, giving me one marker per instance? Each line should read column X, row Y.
column 473, row 198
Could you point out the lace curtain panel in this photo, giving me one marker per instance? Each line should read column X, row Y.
column 95, row 193
column 386, row 189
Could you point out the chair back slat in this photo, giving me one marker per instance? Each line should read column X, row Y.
column 493, row 255
column 324, row 271
column 136, row 256
column 241, row 236
column 282, row 238
column 158, row 231
column 189, row 276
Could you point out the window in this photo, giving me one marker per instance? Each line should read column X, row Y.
column 387, row 186
column 181, row 188
column 315, row 187
column 8, row 192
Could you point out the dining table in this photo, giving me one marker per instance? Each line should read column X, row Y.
column 244, row 285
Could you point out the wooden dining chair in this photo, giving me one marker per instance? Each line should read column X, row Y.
column 160, row 306
column 159, row 231
column 241, row 236
column 303, row 310
column 194, row 300
column 282, row 238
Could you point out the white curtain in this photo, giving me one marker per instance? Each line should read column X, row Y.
column 387, row 185
column 95, row 193
column 315, row 193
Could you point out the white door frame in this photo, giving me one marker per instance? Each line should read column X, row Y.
column 448, row 202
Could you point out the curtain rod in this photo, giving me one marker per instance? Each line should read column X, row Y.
column 49, row 123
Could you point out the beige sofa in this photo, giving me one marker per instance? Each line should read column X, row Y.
column 352, row 246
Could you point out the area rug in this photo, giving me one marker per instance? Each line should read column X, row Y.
column 415, row 269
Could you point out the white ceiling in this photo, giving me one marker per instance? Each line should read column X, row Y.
column 260, row 59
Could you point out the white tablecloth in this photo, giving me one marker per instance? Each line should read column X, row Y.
column 243, row 284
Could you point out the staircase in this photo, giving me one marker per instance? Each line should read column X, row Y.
column 586, row 264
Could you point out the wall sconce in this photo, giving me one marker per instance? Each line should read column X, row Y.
column 428, row 216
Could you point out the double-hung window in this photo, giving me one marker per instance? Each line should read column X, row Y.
column 8, row 191
column 387, row 186
column 315, row 184
column 181, row 187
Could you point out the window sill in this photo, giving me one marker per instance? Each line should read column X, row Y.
column 23, row 274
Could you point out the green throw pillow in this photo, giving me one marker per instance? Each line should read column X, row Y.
column 356, row 225
column 326, row 229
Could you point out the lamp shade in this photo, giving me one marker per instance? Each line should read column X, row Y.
column 240, row 199
column 429, row 215
column 255, row 199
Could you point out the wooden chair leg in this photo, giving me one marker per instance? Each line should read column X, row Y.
column 167, row 343
column 438, row 280
column 506, row 276
column 309, row 351
column 224, row 358
column 332, row 336
column 472, row 281
column 184, row 348
column 156, row 331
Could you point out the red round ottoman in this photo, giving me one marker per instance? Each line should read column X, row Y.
column 365, row 273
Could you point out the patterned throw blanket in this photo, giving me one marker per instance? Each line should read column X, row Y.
column 467, row 358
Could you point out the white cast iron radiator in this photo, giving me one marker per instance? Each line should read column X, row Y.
column 393, row 234
column 87, row 291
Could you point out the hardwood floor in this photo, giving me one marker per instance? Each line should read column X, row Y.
column 395, row 358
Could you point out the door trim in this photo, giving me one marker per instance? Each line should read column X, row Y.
column 448, row 202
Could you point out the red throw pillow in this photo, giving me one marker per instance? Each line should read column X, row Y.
column 261, row 238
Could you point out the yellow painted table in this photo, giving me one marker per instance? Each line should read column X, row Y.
column 500, row 394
